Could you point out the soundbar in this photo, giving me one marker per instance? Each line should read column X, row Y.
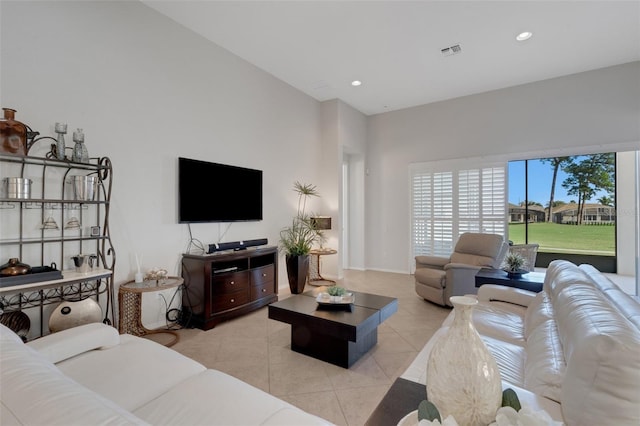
column 237, row 245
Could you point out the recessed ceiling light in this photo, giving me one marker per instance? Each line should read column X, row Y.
column 526, row 35
column 356, row 83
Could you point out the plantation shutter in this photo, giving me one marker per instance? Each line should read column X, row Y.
column 453, row 197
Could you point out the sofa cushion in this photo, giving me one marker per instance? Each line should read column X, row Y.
column 68, row 343
column 540, row 310
column 601, row 347
column 545, row 368
column 510, row 359
column 502, row 321
column 183, row 404
column 431, row 277
column 561, row 274
column 131, row 373
column 626, row 305
column 35, row 392
column 484, row 250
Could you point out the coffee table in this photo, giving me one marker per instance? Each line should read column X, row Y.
column 337, row 334
column 403, row 397
column 531, row 281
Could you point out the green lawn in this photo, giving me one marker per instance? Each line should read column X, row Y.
column 556, row 238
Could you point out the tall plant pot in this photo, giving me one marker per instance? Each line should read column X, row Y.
column 297, row 272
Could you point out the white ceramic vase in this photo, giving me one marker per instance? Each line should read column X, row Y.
column 463, row 379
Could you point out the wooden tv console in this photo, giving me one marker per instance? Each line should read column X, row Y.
column 226, row 284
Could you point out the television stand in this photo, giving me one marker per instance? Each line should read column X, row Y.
column 227, row 284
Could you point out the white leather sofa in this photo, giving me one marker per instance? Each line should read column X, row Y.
column 572, row 349
column 91, row 375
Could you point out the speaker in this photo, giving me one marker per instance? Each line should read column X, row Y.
column 237, row 245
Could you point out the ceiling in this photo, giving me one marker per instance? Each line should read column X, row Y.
column 394, row 47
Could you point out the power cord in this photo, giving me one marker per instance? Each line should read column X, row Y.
column 173, row 315
column 194, row 242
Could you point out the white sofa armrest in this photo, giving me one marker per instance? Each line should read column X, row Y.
column 501, row 293
column 431, row 261
column 68, row 343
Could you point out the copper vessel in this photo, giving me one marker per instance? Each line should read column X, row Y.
column 14, row 267
column 13, row 134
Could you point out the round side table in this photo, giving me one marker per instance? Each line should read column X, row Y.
column 314, row 267
column 130, row 305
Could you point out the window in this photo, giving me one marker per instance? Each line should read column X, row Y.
column 453, row 197
column 570, row 208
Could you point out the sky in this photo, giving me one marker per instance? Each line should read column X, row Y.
column 540, row 175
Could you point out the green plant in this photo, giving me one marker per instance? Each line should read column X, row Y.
column 336, row 291
column 428, row 411
column 297, row 239
column 514, row 262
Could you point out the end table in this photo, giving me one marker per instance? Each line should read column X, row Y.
column 314, row 266
column 130, row 306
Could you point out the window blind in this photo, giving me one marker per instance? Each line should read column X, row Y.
column 453, row 197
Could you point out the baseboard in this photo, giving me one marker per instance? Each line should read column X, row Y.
column 393, row 271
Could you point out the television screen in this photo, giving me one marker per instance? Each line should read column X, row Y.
column 211, row 192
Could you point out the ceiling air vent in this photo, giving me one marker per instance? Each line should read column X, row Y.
column 451, row 50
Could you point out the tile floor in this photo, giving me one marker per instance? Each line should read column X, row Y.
column 256, row 350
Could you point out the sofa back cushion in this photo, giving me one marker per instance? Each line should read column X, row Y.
column 560, row 274
column 538, row 311
column 545, row 368
column 35, row 392
column 626, row 305
column 485, row 250
column 602, row 351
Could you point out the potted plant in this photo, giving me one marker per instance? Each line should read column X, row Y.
column 514, row 263
column 297, row 239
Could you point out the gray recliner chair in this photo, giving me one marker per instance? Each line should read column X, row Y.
column 439, row 278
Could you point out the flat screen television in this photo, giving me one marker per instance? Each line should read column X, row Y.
column 212, row 192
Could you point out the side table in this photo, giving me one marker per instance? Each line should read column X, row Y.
column 531, row 281
column 130, row 306
column 314, row 266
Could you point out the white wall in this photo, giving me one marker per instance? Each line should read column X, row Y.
column 626, row 213
column 353, row 139
column 343, row 136
column 146, row 90
column 598, row 109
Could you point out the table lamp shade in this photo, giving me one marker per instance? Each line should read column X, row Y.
column 321, row 223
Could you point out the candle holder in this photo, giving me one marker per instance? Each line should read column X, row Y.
column 80, row 153
column 61, row 130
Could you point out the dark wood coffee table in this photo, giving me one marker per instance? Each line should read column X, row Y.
column 336, row 334
column 403, row 397
column 531, row 281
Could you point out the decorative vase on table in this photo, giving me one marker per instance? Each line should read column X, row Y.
column 297, row 272
column 463, row 379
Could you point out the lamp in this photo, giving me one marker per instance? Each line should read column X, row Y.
column 321, row 223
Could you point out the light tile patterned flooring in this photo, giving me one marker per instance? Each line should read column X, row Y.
column 257, row 350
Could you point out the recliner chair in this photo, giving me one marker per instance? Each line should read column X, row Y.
column 438, row 278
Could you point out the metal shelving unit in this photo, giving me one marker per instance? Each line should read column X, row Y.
column 22, row 236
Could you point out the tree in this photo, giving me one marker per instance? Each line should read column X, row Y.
column 556, row 163
column 605, row 200
column 592, row 174
column 530, row 203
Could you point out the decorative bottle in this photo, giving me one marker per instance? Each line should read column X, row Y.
column 61, row 130
column 13, row 134
column 463, row 379
column 80, row 153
